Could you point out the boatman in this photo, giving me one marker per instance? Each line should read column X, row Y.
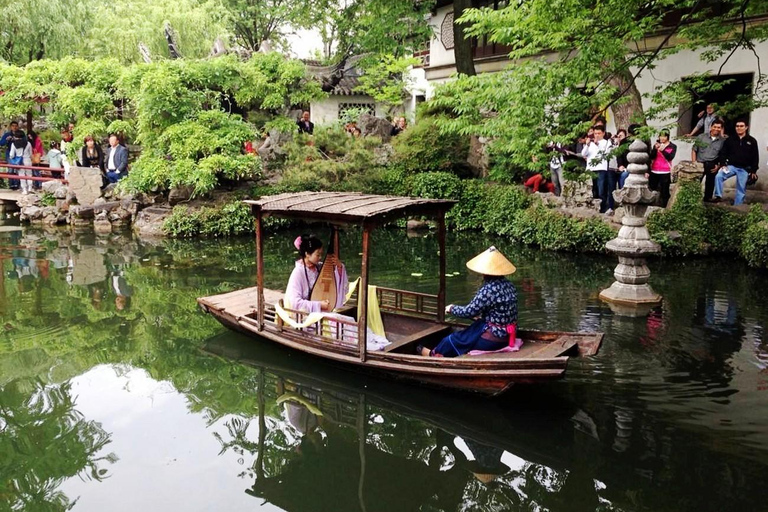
column 495, row 303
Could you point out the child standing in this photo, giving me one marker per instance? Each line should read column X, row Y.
column 54, row 158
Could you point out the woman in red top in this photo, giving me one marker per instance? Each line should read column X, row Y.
column 37, row 154
column 662, row 154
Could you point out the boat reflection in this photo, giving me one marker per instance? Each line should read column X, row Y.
column 361, row 444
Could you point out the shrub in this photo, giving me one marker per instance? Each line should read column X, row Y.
column 388, row 181
column 471, row 210
column 47, row 199
column 701, row 230
column 422, row 148
column 231, row 219
column 754, row 244
column 551, row 230
column 436, row 185
column 502, row 204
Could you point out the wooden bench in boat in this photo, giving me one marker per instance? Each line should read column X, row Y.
column 424, row 333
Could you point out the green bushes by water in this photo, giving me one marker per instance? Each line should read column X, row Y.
column 754, row 244
column 230, row 219
column 690, row 228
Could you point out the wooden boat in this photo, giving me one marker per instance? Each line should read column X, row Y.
column 409, row 318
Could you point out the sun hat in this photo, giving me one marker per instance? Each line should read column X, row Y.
column 491, row 263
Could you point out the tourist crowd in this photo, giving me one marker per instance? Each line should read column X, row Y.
column 27, row 150
column 605, row 156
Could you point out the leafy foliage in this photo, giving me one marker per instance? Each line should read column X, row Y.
column 231, row 219
column 574, row 61
column 754, row 246
column 423, row 148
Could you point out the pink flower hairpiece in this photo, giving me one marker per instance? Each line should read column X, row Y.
column 297, row 243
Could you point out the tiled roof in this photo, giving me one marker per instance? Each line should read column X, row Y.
column 346, row 86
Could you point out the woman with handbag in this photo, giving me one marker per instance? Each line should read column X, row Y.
column 21, row 154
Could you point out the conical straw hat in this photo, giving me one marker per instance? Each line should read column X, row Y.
column 485, row 477
column 491, row 263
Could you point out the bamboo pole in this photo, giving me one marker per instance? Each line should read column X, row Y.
column 362, row 295
column 443, row 267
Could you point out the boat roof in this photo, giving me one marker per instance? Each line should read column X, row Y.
column 348, row 207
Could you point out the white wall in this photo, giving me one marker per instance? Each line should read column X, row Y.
column 438, row 55
column 688, row 62
column 326, row 111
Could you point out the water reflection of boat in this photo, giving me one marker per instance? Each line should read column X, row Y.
column 409, row 318
column 453, row 449
column 335, row 472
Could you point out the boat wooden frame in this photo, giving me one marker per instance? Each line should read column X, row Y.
column 409, row 317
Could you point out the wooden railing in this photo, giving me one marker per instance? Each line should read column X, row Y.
column 403, row 301
column 334, row 330
column 47, row 170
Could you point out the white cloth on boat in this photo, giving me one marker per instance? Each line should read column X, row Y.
column 374, row 342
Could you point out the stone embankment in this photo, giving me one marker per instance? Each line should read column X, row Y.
column 82, row 203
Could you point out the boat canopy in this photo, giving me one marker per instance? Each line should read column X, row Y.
column 348, row 207
column 337, row 208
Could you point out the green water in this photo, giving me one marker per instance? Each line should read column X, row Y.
column 117, row 394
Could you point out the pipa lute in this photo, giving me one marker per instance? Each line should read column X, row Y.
column 325, row 286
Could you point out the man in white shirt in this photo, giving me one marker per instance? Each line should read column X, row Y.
column 597, row 152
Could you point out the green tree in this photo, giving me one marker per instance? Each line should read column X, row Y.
column 255, row 21
column 571, row 56
column 376, row 27
column 386, row 78
column 39, row 29
column 117, row 28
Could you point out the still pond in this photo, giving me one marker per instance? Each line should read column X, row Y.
column 117, row 393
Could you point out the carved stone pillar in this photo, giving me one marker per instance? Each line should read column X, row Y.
column 630, row 294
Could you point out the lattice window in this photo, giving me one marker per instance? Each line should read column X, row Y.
column 446, row 31
column 363, row 107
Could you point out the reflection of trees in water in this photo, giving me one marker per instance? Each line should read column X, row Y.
column 404, row 463
column 640, row 452
column 45, row 440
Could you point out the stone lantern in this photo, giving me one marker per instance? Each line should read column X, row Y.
column 630, row 294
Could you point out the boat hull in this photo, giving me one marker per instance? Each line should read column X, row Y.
column 481, row 375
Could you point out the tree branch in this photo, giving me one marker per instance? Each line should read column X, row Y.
column 653, row 56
